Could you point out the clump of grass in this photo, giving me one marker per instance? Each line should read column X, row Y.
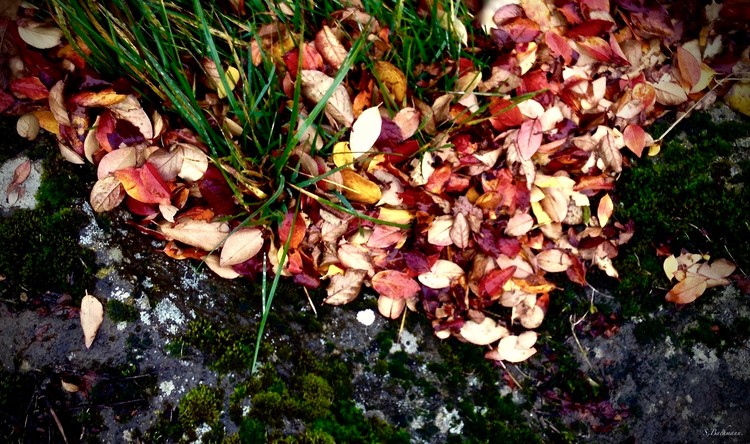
column 163, row 48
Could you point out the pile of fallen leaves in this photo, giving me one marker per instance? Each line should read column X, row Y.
column 513, row 183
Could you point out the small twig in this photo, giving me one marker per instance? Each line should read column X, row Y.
column 57, row 421
column 734, row 260
column 309, row 299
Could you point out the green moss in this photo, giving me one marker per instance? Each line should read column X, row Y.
column 41, row 253
column 63, row 183
column 200, row 405
column 225, row 349
column 694, row 196
column 121, row 312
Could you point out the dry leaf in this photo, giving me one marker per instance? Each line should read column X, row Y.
column 360, row 189
column 553, row 260
column 92, row 315
column 483, row 333
column 395, row 284
column 515, row 348
column 207, row 236
column 344, row 288
column 687, row 290
column 391, row 308
column 604, row 211
column 392, row 78
column 240, row 246
column 365, row 131
column 224, row 271
column 40, row 36
column 315, row 85
column 28, row 126
column 106, row 194
column 441, row 274
column 329, row 46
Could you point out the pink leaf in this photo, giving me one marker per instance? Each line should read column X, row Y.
column 395, row 284
column 529, row 138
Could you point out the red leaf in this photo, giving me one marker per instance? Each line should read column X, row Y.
column 596, row 48
column 144, row 184
column 505, row 114
column 395, row 284
column 590, row 28
column 492, row 283
column 529, row 138
column 29, row 87
column 576, row 272
column 559, row 46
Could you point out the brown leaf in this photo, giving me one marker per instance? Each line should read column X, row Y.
column 126, row 157
column 223, row 271
column 441, row 275
column 635, row 139
column 92, row 315
column 22, row 172
column 28, row 126
column 515, row 348
column 106, row 194
column 57, row 104
column 40, row 36
column 130, row 110
column 439, row 231
column 316, row 84
column 330, row 47
column 345, row 288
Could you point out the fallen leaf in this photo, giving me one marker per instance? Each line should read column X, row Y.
column 207, row 236
column 395, row 284
column 483, row 333
column 365, row 131
column 194, row 162
column 106, row 194
column 223, row 271
column 441, row 275
column 330, row 47
column 529, row 138
column 515, row 348
column 345, row 288
column 360, row 189
column 342, row 155
column 553, row 260
column 687, row 290
column 315, row 86
column 391, row 308
column 392, row 78
column 519, row 224
column 240, row 246
column 92, row 316
column 460, row 231
column 144, row 184
column 126, row 157
column 670, row 266
column 28, row 126
column 604, row 210
column 439, row 231
column 130, row 109
column 635, row 139
column 39, row 35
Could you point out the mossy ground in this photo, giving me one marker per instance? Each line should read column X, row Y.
column 40, row 247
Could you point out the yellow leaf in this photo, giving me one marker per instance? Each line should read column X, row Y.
column 360, row 189
column 604, row 212
column 670, row 266
column 395, row 216
column 738, row 98
column 342, row 155
column 392, row 78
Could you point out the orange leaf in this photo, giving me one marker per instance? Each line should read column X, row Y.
column 687, row 290
column 144, row 184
